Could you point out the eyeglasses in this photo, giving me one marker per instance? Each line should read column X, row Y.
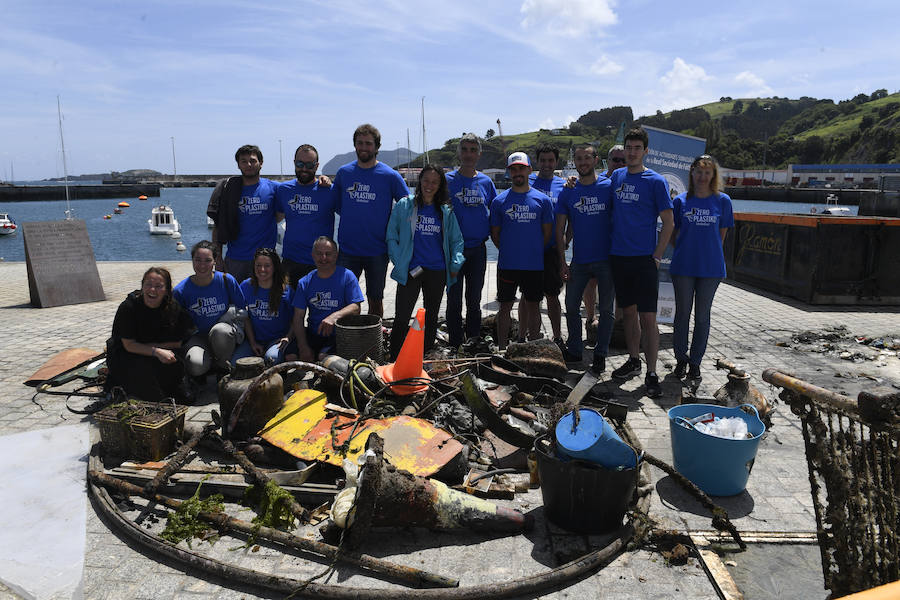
column 309, row 165
column 617, row 159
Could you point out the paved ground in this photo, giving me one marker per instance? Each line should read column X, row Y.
column 749, row 328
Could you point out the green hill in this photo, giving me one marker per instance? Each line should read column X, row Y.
column 742, row 133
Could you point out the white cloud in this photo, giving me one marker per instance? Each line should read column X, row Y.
column 684, row 85
column 753, row 85
column 606, row 66
column 568, row 17
column 550, row 123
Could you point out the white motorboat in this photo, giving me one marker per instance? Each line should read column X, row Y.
column 162, row 221
column 7, row 225
column 832, row 208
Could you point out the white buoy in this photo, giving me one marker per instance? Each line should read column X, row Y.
column 176, row 235
column 180, row 247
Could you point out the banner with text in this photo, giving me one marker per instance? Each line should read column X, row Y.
column 671, row 155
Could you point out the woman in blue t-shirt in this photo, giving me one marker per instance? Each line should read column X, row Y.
column 426, row 246
column 269, row 311
column 217, row 307
column 703, row 217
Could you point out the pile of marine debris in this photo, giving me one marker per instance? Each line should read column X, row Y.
column 840, row 342
column 351, row 451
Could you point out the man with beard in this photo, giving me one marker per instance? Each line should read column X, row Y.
column 545, row 181
column 308, row 209
column 364, row 192
column 471, row 193
column 521, row 225
column 586, row 209
column 243, row 209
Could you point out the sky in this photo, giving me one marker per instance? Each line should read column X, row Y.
column 135, row 79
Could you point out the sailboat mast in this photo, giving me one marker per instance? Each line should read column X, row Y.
column 65, row 167
column 424, row 143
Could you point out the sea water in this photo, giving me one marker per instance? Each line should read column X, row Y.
column 126, row 237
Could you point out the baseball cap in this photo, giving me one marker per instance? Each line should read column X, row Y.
column 518, row 158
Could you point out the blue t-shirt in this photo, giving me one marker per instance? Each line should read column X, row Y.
column 321, row 297
column 520, row 218
column 471, row 198
column 698, row 247
column 256, row 220
column 553, row 188
column 209, row 302
column 588, row 208
column 308, row 213
column 363, row 198
column 428, row 248
column 637, row 201
column 268, row 327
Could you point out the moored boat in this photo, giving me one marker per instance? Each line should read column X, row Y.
column 7, row 225
column 162, row 221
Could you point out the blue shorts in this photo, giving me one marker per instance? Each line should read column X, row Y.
column 375, row 268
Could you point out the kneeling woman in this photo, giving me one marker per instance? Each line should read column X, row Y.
column 426, row 246
column 269, row 311
column 217, row 307
column 703, row 217
column 147, row 337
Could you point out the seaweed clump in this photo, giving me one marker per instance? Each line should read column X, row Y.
column 272, row 504
column 185, row 524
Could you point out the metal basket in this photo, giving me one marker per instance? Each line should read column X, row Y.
column 853, row 456
column 359, row 336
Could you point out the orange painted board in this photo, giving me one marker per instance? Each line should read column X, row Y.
column 815, row 220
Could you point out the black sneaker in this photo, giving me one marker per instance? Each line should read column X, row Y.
column 631, row 368
column 694, row 372
column 651, row 382
column 680, row 369
column 570, row 357
column 599, row 365
column 560, row 344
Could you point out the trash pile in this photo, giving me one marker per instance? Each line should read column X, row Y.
column 841, row 342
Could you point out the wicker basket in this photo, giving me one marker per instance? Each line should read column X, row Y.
column 142, row 431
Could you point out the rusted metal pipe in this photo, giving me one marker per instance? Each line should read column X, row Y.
column 398, row 572
column 787, row 382
column 179, row 459
column 721, row 363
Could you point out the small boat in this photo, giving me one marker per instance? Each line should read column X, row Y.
column 142, row 197
column 7, row 225
column 162, row 221
column 123, row 204
column 831, row 208
column 107, row 217
column 117, row 210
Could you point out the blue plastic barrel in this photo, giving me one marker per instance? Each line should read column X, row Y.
column 718, row 466
column 593, row 440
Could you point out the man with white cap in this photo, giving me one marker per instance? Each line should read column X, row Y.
column 521, row 225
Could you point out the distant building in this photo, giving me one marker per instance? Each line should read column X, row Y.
column 850, row 175
column 754, row 177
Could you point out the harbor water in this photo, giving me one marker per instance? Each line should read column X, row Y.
column 126, row 237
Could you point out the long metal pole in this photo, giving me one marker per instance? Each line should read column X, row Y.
column 174, row 167
column 280, row 159
column 62, row 143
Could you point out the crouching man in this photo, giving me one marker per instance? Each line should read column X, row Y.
column 328, row 293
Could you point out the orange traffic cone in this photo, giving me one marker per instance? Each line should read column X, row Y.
column 409, row 361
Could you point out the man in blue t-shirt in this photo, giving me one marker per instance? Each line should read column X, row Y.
column 585, row 209
column 471, row 193
column 364, row 192
column 640, row 196
column 521, row 226
column 328, row 293
column 552, row 185
column 308, row 209
column 243, row 209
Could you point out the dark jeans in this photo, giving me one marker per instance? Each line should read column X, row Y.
column 375, row 268
column 686, row 289
column 296, row 271
column 431, row 283
column 472, row 276
column 578, row 279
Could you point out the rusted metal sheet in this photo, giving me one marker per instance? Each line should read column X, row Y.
column 62, row 363
column 306, row 430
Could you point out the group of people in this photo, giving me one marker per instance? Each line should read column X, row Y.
column 250, row 301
